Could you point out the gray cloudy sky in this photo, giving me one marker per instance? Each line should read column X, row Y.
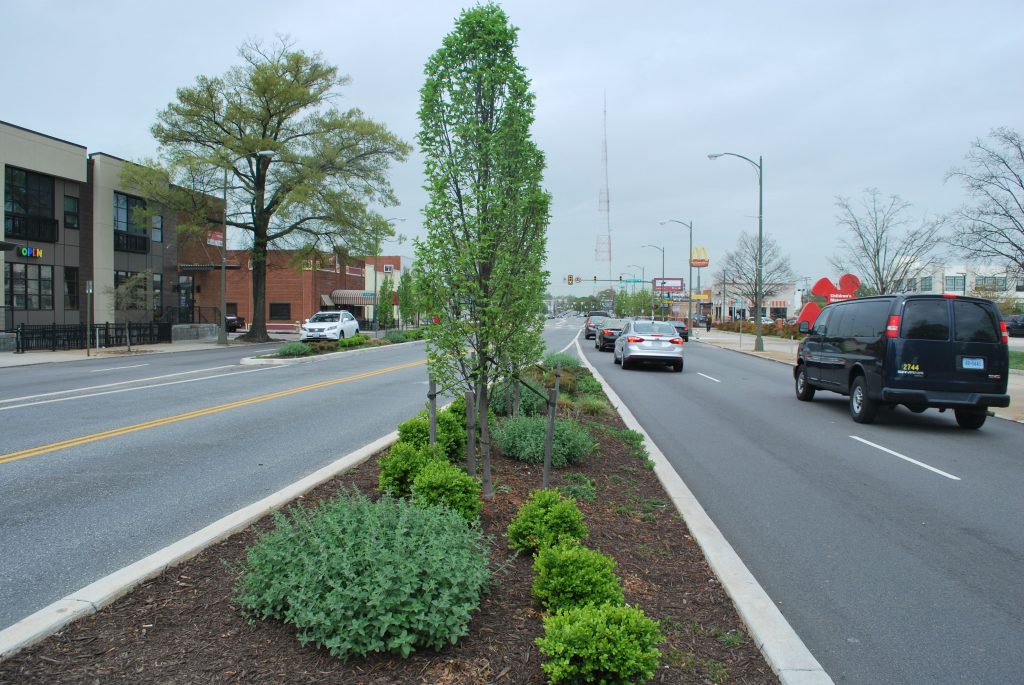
column 837, row 97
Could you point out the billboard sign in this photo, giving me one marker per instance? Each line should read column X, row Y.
column 215, row 238
column 699, row 257
column 667, row 285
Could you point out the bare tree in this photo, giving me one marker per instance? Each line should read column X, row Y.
column 739, row 268
column 882, row 249
column 993, row 227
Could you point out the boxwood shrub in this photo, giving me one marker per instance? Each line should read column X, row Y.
column 522, row 438
column 451, row 433
column 571, row 575
column 402, row 463
column 600, row 643
column 544, row 520
column 358, row 577
column 441, row 483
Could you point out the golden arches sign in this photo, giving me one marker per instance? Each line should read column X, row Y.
column 699, row 257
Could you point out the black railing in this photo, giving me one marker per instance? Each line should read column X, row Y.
column 39, row 228
column 76, row 336
column 130, row 242
column 190, row 315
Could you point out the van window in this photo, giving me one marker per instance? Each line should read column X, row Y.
column 837, row 325
column 821, row 325
column 870, row 319
column 925, row 320
column 974, row 322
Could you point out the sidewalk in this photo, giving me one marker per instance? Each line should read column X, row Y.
column 784, row 351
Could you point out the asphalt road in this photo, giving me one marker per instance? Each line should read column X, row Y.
column 890, row 572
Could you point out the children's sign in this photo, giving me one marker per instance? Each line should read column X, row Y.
column 848, row 285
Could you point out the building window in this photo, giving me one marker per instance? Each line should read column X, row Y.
column 926, row 284
column 28, row 206
column 911, row 284
column 28, row 286
column 158, row 300
column 70, row 287
column 1020, row 284
column 124, row 213
column 280, row 311
column 157, row 226
column 389, row 268
column 954, row 283
column 993, row 282
column 70, row 212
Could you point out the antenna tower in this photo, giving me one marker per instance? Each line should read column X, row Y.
column 603, row 249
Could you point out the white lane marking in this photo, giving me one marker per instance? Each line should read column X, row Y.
column 905, row 458
column 708, row 377
column 145, row 387
column 111, row 385
column 117, row 368
column 571, row 342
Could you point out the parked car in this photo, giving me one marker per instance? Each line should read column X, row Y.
column 233, row 323
column 605, row 335
column 921, row 351
column 765, row 321
column 591, row 325
column 329, row 326
column 682, row 329
column 648, row 341
column 1015, row 325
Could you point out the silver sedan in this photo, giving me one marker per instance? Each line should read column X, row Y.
column 649, row 341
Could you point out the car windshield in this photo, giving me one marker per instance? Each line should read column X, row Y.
column 321, row 317
column 613, row 323
column 596, row 320
column 653, row 327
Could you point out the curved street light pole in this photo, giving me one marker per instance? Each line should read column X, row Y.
column 689, row 277
column 758, row 285
column 222, row 330
column 662, row 250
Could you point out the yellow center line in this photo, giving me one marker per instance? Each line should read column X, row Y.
column 116, row 432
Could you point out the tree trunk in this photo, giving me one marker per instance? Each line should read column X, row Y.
column 258, row 327
column 485, row 444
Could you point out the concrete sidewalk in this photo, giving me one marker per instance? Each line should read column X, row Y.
column 784, row 350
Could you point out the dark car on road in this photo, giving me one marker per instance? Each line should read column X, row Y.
column 682, row 329
column 591, row 326
column 1015, row 325
column 233, row 323
column 607, row 332
column 921, row 351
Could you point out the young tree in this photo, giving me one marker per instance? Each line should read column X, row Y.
column 993, row 227
column 739, row 268
column 132, row 299
column 299, row 170
column 407, row 308
column 881, row 248
column 483, row 256
column 385, row 308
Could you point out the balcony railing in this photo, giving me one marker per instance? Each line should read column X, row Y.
column 38, row 228
column 130, row 242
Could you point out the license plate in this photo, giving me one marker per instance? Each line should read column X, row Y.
column 973, row 363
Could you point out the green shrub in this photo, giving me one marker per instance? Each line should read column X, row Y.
column 414, row 334
column 395, row 337
column 578, row 486
column 441, row 483
column 544, row 520
column 322, row 346
column 451, row 433
column 571, row 575
column 358, row 577
column 589, row 405
column 600, row 644
column 568, row 361
column 293, row 349
column 588, row 385
column 523, row 438
column 530, row 403
column 355, row 341
column 402, row 463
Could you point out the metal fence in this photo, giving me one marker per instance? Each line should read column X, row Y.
column 77, row 336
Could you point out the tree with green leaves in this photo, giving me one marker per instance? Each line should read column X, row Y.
column 299, row 172
column 385, row 308
column 407, row 308
column 482, row 259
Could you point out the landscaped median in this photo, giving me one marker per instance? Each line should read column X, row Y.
column 397, row 572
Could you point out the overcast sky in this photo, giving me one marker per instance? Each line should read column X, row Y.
column 836, row 96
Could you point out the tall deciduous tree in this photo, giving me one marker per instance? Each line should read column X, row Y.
column 386, row 308
column 407, row 307
column 483, row 256
column 881, row 246
column 993, row 227
column 300, row 171
column 739, row 268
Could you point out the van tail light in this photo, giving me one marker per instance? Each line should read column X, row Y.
column 676, row 341
column 892, row 328
column 949, row 296
column 1006, row 333
column 634, row 339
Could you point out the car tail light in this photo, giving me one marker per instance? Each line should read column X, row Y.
column 676, row 341
column 892, row 328
column 634, row 339
column 607, row 332
column 1006, row 333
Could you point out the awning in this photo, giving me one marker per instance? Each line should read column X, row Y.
column 352, row 297
column 231, row 266
column 325, row 300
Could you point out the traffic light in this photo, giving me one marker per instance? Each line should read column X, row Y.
column 570, row 279
column 595, row 279
column 620, row 278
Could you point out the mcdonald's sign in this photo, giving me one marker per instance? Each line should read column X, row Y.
column 699, row 257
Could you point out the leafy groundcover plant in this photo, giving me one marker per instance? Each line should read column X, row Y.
column 358, row 577
column 523, row 438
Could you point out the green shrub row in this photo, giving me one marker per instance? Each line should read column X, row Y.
column 522, row 438
column 358, row 577
column 303, row 349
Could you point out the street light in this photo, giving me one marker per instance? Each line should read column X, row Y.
column 689, row 282
column 222, row 330
column 376, row 295
column 758, row 285
column 660, row 305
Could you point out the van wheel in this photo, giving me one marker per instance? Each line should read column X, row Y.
column 862, row 408
column 970, row 418
column 804, row 390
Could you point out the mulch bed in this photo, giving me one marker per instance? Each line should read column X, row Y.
column 182, row 627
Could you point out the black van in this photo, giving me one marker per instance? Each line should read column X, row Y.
column 921, row 351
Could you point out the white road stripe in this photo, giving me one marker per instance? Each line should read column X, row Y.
column 116, row 368
column 708, row 377
column 111, row 385
column 571, row 342
column 905, row 458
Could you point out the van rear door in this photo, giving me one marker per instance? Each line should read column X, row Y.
column 981, row 360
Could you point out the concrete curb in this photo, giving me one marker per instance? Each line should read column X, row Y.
column 95, row 596
column 781, row 647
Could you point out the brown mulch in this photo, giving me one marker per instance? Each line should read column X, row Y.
column 182, row 627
